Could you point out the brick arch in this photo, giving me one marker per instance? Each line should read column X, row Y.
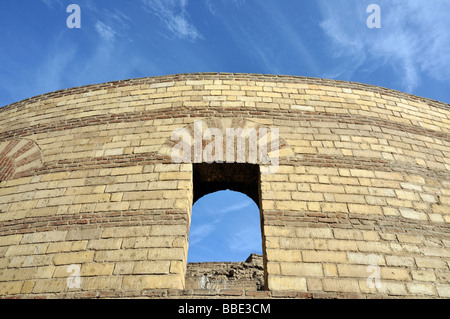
column 18, row 157
column 264, row 134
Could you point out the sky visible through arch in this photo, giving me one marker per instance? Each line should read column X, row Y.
column 225, row 226
column 120, row 39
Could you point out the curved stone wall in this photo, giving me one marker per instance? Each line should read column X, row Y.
column 93, row 202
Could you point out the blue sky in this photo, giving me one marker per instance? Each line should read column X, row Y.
column 225, row 226
column 138, row 38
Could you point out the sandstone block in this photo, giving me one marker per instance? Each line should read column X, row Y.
column 314, row 232
column 324, row 256
column 364, row 209
column 43, row 237
column 365, row 259
column 11, row 288
column 423, row 275
column 443, row 291
column 287, row 283
column 105, row 244
column 83, row 234
column 342, row 245
column 101, row 283
column 421, row 289
column 97, row 269
column 340, row 285
column 400, row 261
column 120, row 255
column 350, row 234
column 50, row 285
column 152, row 282
column 392, row 288
column 127, row 170
column 151, row 267
column 398, row 274
column 10, row 240
column 73, row 258
column 283, row 255
column 301, row 269
column 358, row 271
column 124, row 232
column 296, row 243
column 430, row 263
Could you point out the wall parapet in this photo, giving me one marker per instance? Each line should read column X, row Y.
column 160, row 80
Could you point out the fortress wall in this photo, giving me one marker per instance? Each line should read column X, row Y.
column 362, row 188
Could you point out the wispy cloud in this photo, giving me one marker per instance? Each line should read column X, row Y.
column 48, row 3
column 119, row 17
column 105, row 31
column 173, row 14
column 413, row 38
column 117, row 31
column 66, row 63
column 210, row 217
column 268, row 36
column 25, row 83
column 235, row 207
column 290, row 35
column 210, row 4
column 247, row 239
column 112, row 24
column 53, row 3
column 55, row 69
column 200, row 232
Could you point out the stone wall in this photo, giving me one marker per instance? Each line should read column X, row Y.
column 88, row 187
column 247, row 275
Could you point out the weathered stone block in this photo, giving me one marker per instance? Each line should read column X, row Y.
column 287, row 283
column 73, row 258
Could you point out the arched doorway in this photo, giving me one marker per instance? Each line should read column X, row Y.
column 226, row 246
column 225, row 226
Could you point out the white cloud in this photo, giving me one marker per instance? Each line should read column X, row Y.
column 246, row 239
column 105, row 32
column 27, row 82
column 236, row 207
column 413, row 38
column 52, row 3
column 56, row 69
column 173, row 13
column 200, row 232
column 118, row 18
column 211, row 4
column 214, row 217
column 255, row 35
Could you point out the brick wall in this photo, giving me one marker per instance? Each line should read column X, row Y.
column 87, row 180
column 246, row 275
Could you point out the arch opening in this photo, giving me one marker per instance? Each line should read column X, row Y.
column 225, row 226
column 226, row 247
column 239, row 177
